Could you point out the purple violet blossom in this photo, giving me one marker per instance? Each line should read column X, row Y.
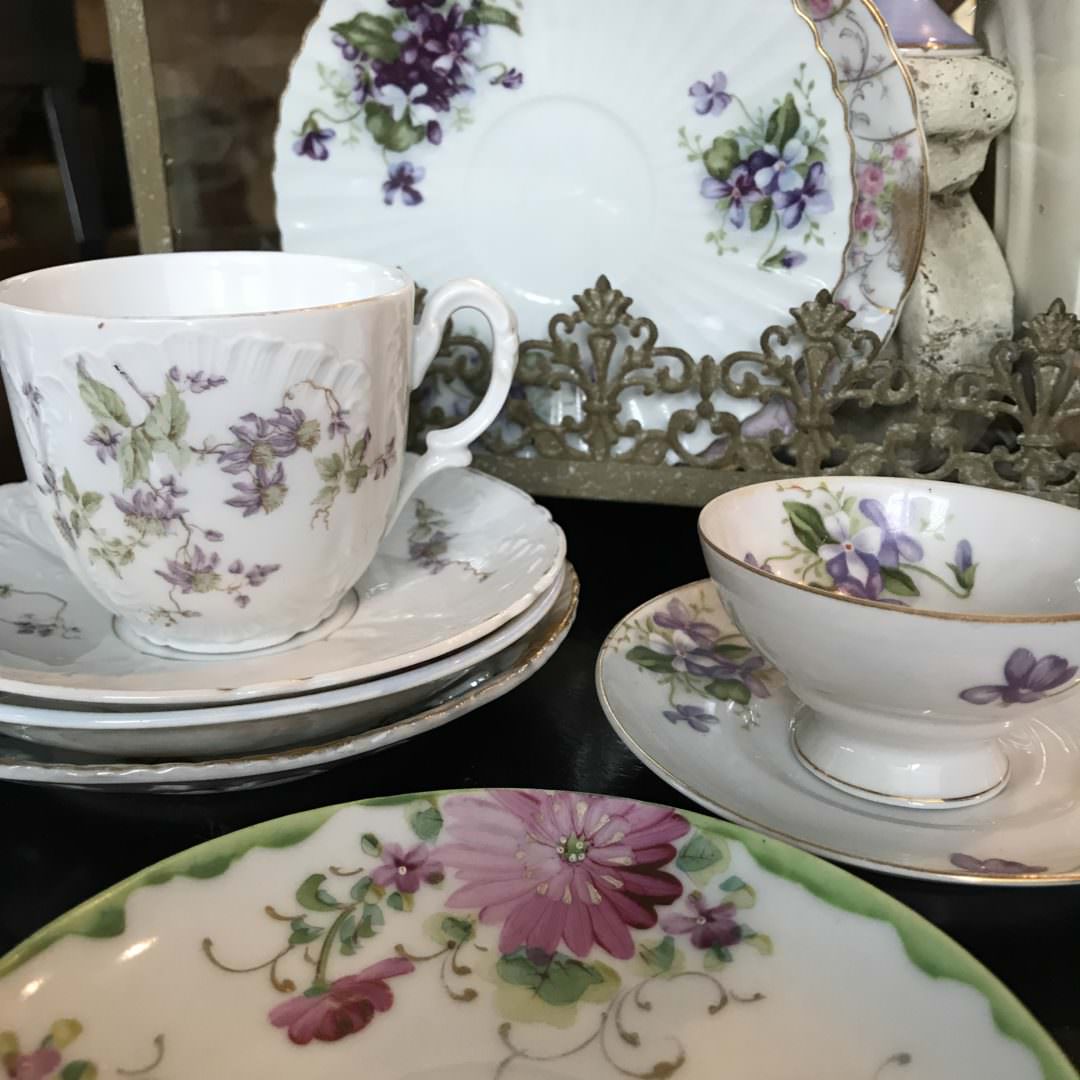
column 258, row 442
column 197, row 574
column 811, row 199
column 509, row 80
column 104, row 441
column 258, row 574
column 708, row 927
column 312, row 143
column 1026, row 680
column 776, row 170
column 266, row 491
column 738, row 188
column 710, row 97
column 677, row 617
column 852, row 561
column 403, row 177
column 151, row 511
column 694, row 715
column 895, row 544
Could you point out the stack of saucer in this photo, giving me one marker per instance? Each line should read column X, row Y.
column 470, row 593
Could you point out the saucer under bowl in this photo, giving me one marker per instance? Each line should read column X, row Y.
column 916, row 622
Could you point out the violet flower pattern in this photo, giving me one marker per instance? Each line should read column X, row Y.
column 555, row 909
column 402, row 79
column 856, row 546
column 1027, row 680
column 768, row 176
column 706, row 670
column 136, row 432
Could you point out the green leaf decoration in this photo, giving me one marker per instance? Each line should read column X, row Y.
column 90, row 500
column 371, row 919
column 701, row 853
column 729, row 690
column 369, row 844
column 491, row 15
column 329, row 467
column 732, row 652
column 762, row 942
column 760, row 214
column 134, row 455
column 168, row 419
column 395, row 901
column 69, row 486
column 722, row 157
column 359, row 450
column 783, row 123
column 360, row 888
column 76, row 522
column 303, row 931
column 733, row 883
column 776, row 260
column 661, row 957
column 457, row 930
column 716, row 957
column 396, row 135
column 345, row 935
column 5, row 590
column 325, row 497
column 562, row 981
column 103, row 401
column 314, row 897
column 427, row 823
column 898, row 583
column 371, row 34
column 964, row 578
column 353, row 477
column 79, row 1070
column 651, row 661
column 807, row 524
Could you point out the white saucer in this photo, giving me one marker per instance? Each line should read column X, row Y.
column 489, row 680
column 467, row 555
column 735, row 757
column 253, row 727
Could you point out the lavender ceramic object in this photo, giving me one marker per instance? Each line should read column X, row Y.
column 921, row 24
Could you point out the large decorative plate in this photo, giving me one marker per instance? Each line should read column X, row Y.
column 546, row 190
column 721, row 734
column 700, row 158
column 505, row 935
column 467, row 555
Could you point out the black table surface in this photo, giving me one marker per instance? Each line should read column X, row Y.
column 61, row 847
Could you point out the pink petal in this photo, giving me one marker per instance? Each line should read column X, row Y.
column 609, row 931
column 515, row 931
column 484, row 894
column 384, row 969
column 577, row 933
column 677, row 924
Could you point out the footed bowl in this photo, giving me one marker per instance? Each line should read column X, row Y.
column 915, row 621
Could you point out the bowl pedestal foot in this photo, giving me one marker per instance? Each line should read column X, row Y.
column 857, row 759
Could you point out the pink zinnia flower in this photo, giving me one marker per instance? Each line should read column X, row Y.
column 551, row 868
column 405, row 870
column 348, row 1005
column 871, row 180
column 707, row 926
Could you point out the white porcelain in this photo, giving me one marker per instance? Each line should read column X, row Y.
column 917, row 621
column 467, row 555
column 407, row 939
column 735, row 757
column 489, row 680
column 617, row 181
column 256, row 726
column 217, row 438
column 554, row 160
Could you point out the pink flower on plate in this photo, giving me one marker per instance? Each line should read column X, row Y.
column 899, row 150
column 405, row 870
column 348, row 1005
column 560, row 868
column 820, row 9
column 871, row 180
column 34, row 1066
column 866, row 216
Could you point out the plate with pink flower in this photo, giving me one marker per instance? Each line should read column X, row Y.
column 503, row 934
column 719, row 178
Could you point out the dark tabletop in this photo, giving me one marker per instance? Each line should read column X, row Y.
column 60, row 847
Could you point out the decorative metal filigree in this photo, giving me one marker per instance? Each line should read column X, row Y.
column 600, row 409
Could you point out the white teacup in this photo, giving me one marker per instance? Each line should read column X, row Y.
column 218, row 438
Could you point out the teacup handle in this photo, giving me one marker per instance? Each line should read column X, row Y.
column 449, row 448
